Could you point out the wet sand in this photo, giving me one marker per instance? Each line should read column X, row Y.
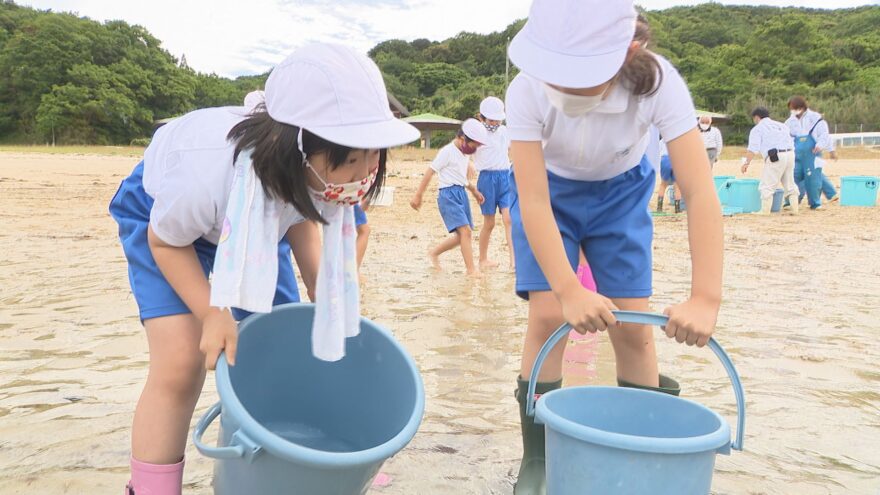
column 801, row 298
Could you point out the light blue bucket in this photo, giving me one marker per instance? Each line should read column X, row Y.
column 744, row 193
column 721, row 186
column 778, row 197
column 615, row 440
column 294, row 424
column 858, row 190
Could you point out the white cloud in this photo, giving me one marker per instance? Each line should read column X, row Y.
column 229, row 38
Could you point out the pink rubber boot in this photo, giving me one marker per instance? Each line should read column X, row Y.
column 155, row 479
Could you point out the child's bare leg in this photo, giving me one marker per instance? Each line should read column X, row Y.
column 445, row 245
column 485, row 235
column 467, row 250
column 508, row 224
column 176, row 374
column 634, row 347
column 363, row 238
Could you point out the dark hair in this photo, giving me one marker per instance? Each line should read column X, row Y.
column 641, row 71
column 279, row 164
column 760, row 112
column 461, row 134
column 797, row 102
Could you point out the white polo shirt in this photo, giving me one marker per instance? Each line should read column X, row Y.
column 451, row 166
column 188, row 171
column 493, row 155
column 801, row 127
column 609, row 140
column 769, row 134
column 712, row 139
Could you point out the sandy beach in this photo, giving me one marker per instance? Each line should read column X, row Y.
column 799, row 318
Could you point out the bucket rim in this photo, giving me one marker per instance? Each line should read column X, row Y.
column 717, row 440
column 289, row 451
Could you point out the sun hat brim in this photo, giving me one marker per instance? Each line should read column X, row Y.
column 372, row 135
column 567, row 71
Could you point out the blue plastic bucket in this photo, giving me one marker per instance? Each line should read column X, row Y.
column 744, row 194
column 615, row 440
column 294, row 424
column 721, row 186
column 858, row 190
column 778, row 196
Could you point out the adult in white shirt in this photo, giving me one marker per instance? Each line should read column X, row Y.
column 712, row 140
column 771, row 140
column 493, row 165
column 811, row 138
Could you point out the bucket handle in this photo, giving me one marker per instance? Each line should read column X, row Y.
column 239, row 445
column 646, row 319
column 871, row 184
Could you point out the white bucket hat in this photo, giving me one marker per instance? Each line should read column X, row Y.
column 475, row 131
column 337, row 94
column 254, row 98
column 574, row 43
column 492, row 108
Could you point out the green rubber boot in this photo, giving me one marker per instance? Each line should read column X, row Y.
column 531, row 479
column 667, row 385
column 659, row 204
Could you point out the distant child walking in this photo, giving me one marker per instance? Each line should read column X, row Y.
column 451, row 167
column 578, row 115
column 493, row 164
column 217, row 183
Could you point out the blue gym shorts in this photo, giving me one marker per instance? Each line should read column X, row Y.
column 609, row 219
column 494, row 185
column 455, row 208
column 155, row 297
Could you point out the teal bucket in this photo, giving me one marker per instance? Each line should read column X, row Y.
column 615, row 440
column 744, row 193
column 858, row 190
column 778, row 196
column 721, row 187
column 294, row 424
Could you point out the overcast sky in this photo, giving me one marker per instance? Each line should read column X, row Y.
column 226, row 38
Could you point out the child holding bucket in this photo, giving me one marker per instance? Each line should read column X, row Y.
column 221, row 182
column 578, row 115
column 451, row 167
column 493, row 164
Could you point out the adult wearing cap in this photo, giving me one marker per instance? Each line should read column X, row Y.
column 770, row 139
column 451, row 167
column 578, row 115
column 811, row 138
column 320, row 138
column 712, row 140
column 493, row 164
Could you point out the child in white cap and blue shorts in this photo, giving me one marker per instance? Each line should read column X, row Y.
column 493, row 164
column 317, row 140
column 451, row 166
column 578, row 115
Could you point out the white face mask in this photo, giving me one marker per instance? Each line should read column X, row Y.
column 705, row 127
column 573, row 105
column 796, row 113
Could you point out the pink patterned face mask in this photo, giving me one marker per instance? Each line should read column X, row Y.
column 348, row 194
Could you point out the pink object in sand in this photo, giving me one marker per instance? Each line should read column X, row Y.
column 155, row 479
column 582, row 348
column 381, row 480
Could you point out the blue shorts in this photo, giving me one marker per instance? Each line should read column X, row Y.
column 455, row 208
column 666, row 170
column 494, row 185
column 360, row 216
column 155, row 297
column 609, row 219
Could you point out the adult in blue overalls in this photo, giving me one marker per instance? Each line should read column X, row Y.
column 811, row 137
